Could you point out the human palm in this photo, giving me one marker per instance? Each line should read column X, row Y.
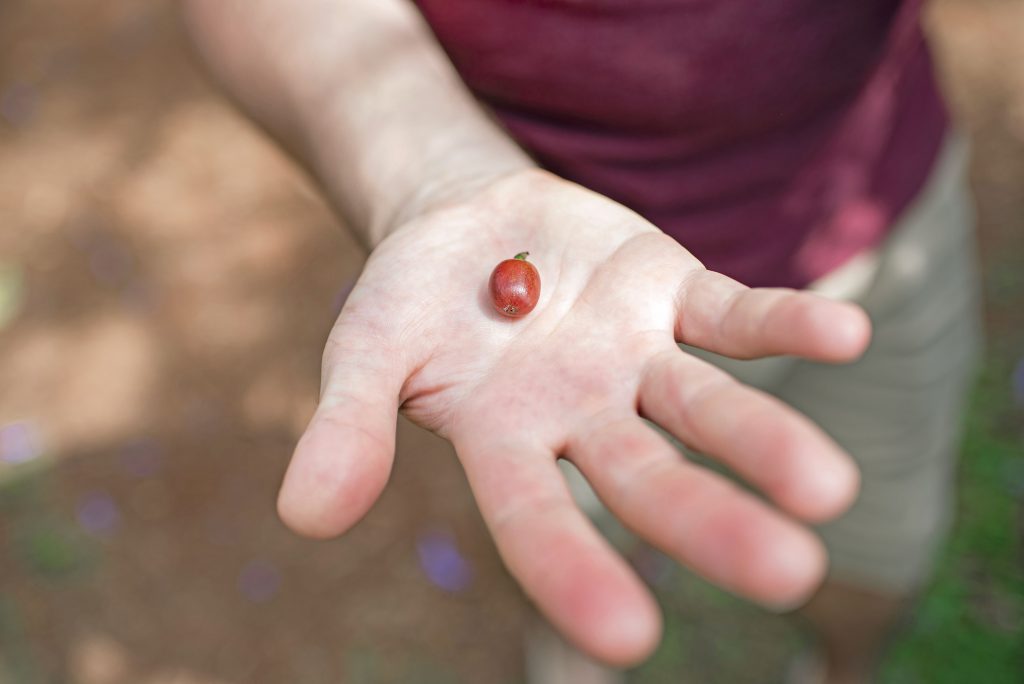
column 575, row 379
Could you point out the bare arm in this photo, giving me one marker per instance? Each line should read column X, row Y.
column 363, row 95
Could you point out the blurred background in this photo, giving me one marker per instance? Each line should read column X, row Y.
column 167, row 280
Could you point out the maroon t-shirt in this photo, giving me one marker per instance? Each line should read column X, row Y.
column 774, row 139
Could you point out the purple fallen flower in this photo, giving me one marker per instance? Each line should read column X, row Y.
column 442, row 562
column 259, row 581
column 98, row 514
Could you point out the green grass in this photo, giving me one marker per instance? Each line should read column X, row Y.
column 970, row 624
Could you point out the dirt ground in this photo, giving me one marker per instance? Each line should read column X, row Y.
column 167, row 280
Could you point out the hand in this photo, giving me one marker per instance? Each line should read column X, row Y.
column 574, row 379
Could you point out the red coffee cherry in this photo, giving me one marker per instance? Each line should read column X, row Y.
column 515, row 286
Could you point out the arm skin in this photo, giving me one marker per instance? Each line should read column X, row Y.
column 363, row 96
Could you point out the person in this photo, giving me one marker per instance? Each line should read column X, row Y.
column 710, row 191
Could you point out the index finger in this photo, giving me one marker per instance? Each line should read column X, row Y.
column 573, row 575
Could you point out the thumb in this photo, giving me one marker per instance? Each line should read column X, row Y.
column 343, row 459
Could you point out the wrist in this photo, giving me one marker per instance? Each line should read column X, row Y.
column 396, row 186
column 499, row 207
column 447, row 188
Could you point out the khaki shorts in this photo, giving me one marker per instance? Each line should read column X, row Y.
column 898, row 409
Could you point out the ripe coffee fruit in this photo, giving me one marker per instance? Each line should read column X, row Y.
column 515, row 286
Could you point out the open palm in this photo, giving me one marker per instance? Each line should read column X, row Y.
column 575, row 379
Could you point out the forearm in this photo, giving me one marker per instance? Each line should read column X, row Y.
column 362, row 94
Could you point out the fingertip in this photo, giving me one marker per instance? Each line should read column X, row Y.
column 793, row 571
column 300, row 522
column 603, row 608
column 305, row 516
column 838, row 488
column 586, row 590
column 852, row 332
column 839, row 332
column 334, row 477
column 629, row 636
column 826, row 491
